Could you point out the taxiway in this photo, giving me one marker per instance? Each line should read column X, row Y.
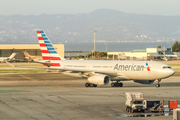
column 54, row 96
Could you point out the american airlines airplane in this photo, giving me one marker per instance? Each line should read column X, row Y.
column 4, row 59
column 31, row 58
column 101, row 72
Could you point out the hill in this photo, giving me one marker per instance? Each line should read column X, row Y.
column 111, row 26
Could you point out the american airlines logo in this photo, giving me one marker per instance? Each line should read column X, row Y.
column 131, row 67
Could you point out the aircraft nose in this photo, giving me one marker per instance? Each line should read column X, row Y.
column 167, row 73
column 170, row 72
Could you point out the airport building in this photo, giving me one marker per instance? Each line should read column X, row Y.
column 148, row 54
column 33, row 49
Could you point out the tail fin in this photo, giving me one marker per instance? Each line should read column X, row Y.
column 49, row 53
column 12, row 55
column 26, row 54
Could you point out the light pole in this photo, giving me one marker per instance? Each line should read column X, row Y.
column 106, row 46
column 94, row 43
column 106, row 50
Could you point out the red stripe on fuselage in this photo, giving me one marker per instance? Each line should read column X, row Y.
column 42, row 44
column 55, row 64
column 38, row 32
column 51, row 58
column 40, row 38
column 44, row 51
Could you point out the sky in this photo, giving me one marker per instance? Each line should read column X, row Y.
column 37, row 7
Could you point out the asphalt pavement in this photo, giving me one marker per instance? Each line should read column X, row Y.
column 54, row 96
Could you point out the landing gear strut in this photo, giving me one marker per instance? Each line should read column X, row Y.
column 117, row 84
column 90, row 85
column 158, row 81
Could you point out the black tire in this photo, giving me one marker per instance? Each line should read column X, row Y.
column 112, row 84
column 86, row 84
column 94, row 85
column 116, row 84
column 91, row 85
column 120, row 84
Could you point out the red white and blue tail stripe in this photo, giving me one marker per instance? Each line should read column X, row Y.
column 48, row 51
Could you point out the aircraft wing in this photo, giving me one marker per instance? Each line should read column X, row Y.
column 85, row 71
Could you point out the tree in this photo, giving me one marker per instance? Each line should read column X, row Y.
column 98, row 54
column 159, row 46
column 176, row 47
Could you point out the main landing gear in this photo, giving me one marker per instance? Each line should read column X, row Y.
column 117, row 84
column 157, row 83
column 90, row 85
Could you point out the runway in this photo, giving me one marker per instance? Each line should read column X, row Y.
column 54, row 96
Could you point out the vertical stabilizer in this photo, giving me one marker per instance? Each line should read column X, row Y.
column 26, row 54
column 49, row 53
column 12, row 55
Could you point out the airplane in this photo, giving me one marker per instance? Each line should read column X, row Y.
column 101, row 72
column 4, row 59
column 30, row 57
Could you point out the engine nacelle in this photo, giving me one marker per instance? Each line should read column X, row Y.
column 99, row 79
column 144, row 81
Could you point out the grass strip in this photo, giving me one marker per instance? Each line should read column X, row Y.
column 23, row 71
column 12, row 91
column 177, row 71
column 22, row 64
column 174, row 64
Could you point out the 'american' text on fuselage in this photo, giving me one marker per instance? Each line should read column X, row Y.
column 129, row 67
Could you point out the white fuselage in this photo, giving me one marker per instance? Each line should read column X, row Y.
column 121, row 70
column 3, row 59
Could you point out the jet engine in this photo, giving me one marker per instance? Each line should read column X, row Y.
column 144, row 81
column 99, row 79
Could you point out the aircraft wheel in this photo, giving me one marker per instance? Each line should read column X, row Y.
column 94, row 85
column 112, row 84
column 157, row 85
column 116, row 84
column 86, row 84
column 91, row 85
column 120, row 84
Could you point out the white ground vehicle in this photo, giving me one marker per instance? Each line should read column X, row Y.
column 134, row 101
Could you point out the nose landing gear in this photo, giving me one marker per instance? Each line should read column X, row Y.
column 157, row 83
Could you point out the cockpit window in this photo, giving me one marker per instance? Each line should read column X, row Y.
column 167, row 67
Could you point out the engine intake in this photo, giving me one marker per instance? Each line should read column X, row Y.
column 99, row 79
